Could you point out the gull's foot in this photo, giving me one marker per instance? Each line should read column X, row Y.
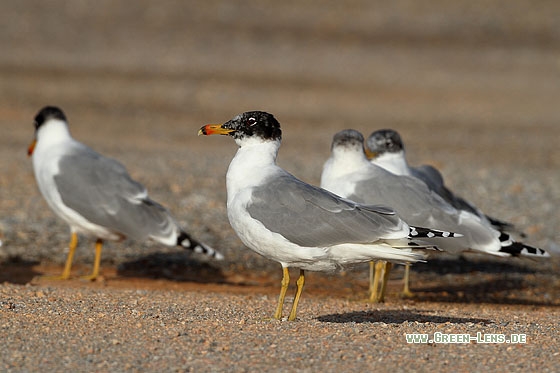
column 407, row 294
column 272, row 319
column 92, row 278
column 375, row 299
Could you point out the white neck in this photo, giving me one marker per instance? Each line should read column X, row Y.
column 345, row 161
column 254, row 160
column 343, row 165
column 393, row 162
column 52, row 132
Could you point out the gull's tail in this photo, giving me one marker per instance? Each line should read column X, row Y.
column 520, row 249
column 185, row 240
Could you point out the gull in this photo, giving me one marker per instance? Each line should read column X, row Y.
column 300, row 225
column 95, row 195
column 385, row 148
column 349, row 174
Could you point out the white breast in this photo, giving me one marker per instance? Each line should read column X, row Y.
column 251, row 166
column 46, row 160
column 394, row 163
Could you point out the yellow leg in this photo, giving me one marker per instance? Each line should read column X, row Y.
column 300, row 282
column 69, row 258
column 375, row 276
column 371, row 277
column 284, row 287
column 96, row 262
column 386, row 271
column 72, row 249
column 406, row 293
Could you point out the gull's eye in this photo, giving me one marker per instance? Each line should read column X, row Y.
column 251, row 121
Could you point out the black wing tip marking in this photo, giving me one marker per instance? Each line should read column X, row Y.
column 519, row 249
column 184, row 240
column 420, row 232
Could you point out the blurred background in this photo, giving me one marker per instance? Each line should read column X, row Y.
column 472, row 86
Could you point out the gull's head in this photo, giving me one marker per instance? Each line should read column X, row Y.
column 348, row 141
column 347, row 156
column 382, row 142
column 247, row 127
column 45, row 116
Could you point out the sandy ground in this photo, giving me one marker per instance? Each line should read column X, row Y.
column 473, row 89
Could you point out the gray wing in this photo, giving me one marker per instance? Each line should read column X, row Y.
column 313, row 217
column 410, row 198
column 430, row 175
column 101, row 190
column 433, row 178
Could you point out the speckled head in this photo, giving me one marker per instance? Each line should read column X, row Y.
column 348, row 139
column 384, row 141
column 251, row 124
column 254, row 124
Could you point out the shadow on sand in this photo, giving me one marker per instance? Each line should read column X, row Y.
column 16, row 270
column 398, row 316
column 172, row 266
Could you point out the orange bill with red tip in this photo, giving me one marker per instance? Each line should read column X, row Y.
column 31, row 147
column 214, row 129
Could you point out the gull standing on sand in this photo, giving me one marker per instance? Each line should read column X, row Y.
column 349, row 174
column 95, row 195
column 297, row 224
column 385, row 148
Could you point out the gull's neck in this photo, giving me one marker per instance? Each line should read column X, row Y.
column 51, row 133
column 344, row 164
column 254, row 161
column 53, row 141
column 393, row 162
column 346, row 161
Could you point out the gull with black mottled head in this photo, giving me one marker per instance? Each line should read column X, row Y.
column 300, row 225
